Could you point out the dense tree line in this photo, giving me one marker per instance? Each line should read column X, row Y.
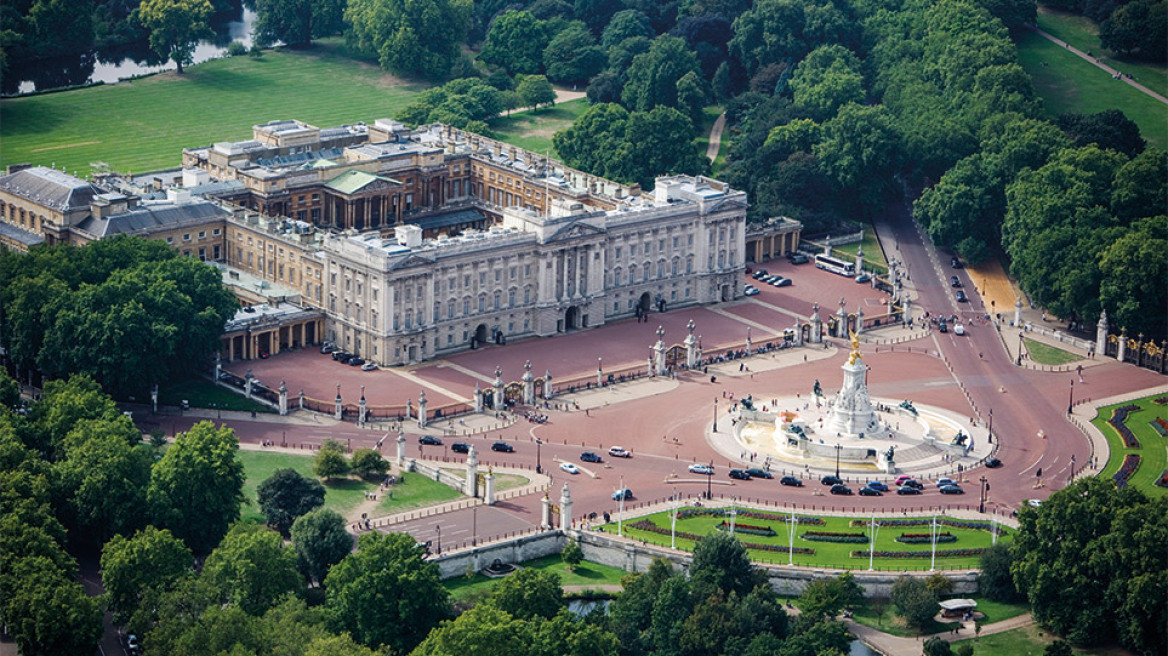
column 128, row 312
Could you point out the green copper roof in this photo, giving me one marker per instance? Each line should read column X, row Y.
column 351, row 182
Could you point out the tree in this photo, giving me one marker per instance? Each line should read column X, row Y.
column 252, row 568
column 48, row 613
column 770, row 32
column 410, row 37
column 1014, row 13
column 1058, row 648
column 939, row 584
column 529, row 594
column 590, row 144
column 826, row 597
column 297, row 22
column 937, row 646
column 368, row 463
column 286, row 495
column 176, row 27
column 828, row 78
column 63, row 406
column 572, row 56
column 516, row 42
column 720, row 562
column 861, row 150
column 657, row 142
column 1110, row 129
column 535, row 90
column 105, row 480
column 625, row 24
column 596, row 13
column 1138, row 29
column 59, row 24
column 9, row 390
column 386, row 593
column 330, row 461
column 691, row 97
column 995, row 580
column 914, row 601
column 1137, row 192
column 653, row 76
column 572, row 554
column 152, row 559
column 321, row 541
column 196, row 489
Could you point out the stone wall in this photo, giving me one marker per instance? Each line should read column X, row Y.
column 513, row 551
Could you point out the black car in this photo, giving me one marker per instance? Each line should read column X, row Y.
column 590, row 456
column 503, row 447
column 798, row 258
column 961, row 297
column 341, row 356
column 908, row 489
column 429, row 440
column 759, row 473
column 739, row 474
column 840, row 488
column 951, row 489
column 993, row 463
column 954, row 281
column 913, row 483
column 955, row 263
column 355, row 361
column 759, row 274
column 943, row 327
column 791, row 481
column 870, row 492
column 830, row 480
column 460, row 447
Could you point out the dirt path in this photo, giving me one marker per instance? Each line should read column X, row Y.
column 716, row 137
column 564, row 95
column 1099, row 64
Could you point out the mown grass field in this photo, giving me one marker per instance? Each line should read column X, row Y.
column 533, row 129
column 144, row 124
column 1153, row 449
column 1083, row 33
column 1027, row 641
column 888, row 622
column 1070, row 84
column 200, row 393
column 585, row 574
column 1046, row 354
column 827, row 554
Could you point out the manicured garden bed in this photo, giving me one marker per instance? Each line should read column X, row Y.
column 1152, row 452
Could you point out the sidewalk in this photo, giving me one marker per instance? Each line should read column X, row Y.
column 891, row 645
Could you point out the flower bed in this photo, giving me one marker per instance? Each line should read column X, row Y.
column 1117, row 421
column 925, row 538
column 941, row 553
column 753, row 514
column 832, row 536
column 650, row 527
column 1160, row 426
column 749, row 529
column 925, row 521
column 1163, row 480
column 1131, row 462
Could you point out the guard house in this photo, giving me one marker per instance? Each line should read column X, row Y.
column 957, row 607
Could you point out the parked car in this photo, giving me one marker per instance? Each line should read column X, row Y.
column 759, row 473
column 591, row 456
column 954, row 281
column 993, row 463
column 782, row 282
column 955, row 263
column 368, row 366
column 829, row 479
column 569, row 467
column 460, row 447
column 907, row 490
column 759, row 274
column 355, row 362
column 863, row 277
column 623, row 493
column 961, row 297
column 701, row 469
column 951, row 489
column 342, row 357
column 945, row 481
column 619, row 452
column 502, row 447
column 869, row 492
column 791, row 481
column 901, row 479
column 327, row 347
column 797, row 258
column 840, row 488
column 429, row 440
column 750, row 290
column 913, row 483
column 878, row 485
column 739, row 474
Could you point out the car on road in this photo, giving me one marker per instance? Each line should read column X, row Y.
column 951, row 489
column 869, row 492
column 739, row 474
column 840, row 488
column 942, row 326
column 368, row 366
column 961, row 297
column 759, row 274
column 1034, row 503
column 907, row 489
column 993, row 463
column 460, row 447
column 619, row 452
column 429, row 440
column 133, row 647
column 790, row 481
column 781, row 282
column 863, row 277
column 955, row 263
column 569, row 467
column 945, row 481
column 591, row 456
column 502, row 447
column 759, row 473
column 356, row 362
column 954, row 281
column 878, row 486
column 913, row 483
column 623, row 493
column 750, row 290
column 797, row 258
column 958, row 329
column 829, row 479
column 701, row 469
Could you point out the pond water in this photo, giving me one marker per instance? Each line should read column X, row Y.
column 121, row 62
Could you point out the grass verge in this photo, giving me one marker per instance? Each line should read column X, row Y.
column 872, row 250
column 144, row 124
column 1026, row 641
column 533, row 130
column 1153, row 453
column 1046, row 354
column 205, row 394
column 1083, row 33
column 585, row 574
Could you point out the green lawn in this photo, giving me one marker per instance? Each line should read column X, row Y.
column 1083, row 33
column 502, row 481
column 585, row 574
column 1047, row 354
column 342, row 496
column 872, row 251
column 1026, row 641
column 202, row 393
column 1069, row 84
column 1153, row 453
column 533, row 130
column 889, row 622
column 144, row 124
column 827, row 554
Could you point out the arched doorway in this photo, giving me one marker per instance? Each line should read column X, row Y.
column 479, row 336
column 726, row 294
column 646, row 302
column 572, row 318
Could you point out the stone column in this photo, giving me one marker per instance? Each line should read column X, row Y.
column 218, row 369
column 859, row 320
column 401, row 449
column 499, row 405
column 338, row 406
column 860, row 260
column 906, row 313
column 545, row 513
column 301, row 399
column 1101, row 329
column 816, row 325
column 489, row 491
column 248, row 381
column 659, row 351
column 565, row 508
column 478, row 398
column 547, row 384
column 469, row 487
column 749, row 344
column 362, row 408
column 841, row 323
column 827, row 246
column 528, row 384
column 691, row 353
column 422, row 409
column 649, row 369
column 599, row 373
column 1018, row 314
column 1119, row 355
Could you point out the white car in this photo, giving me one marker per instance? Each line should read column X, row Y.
column 701, row 469
column 750, row 290
column 569, row 467
column 958, row 329
column 619, row 452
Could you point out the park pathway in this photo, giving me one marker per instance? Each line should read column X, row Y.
column 1094, row 60
column 716, row 137
column 891, row 645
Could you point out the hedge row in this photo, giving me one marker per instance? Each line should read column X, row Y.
column 842, row 538
column 648, row 526
column 925, row 521
column 925, row 538
column 749, row 529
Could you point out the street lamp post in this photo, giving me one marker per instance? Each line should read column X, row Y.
column 991, row 430
column 474, row 526
column 1019, row 361
column 1072, row 468
column 838, row 448
column 985, row 488
column 538, row 467
column 438, row 528
column 715, row 414
column 1071, row 399
column 709, row 478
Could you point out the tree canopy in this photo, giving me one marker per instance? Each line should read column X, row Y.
column 410, row 37
column 297, row 22
column 286, row 495
column 176, row 27
column 151, row 559
column 252, row 568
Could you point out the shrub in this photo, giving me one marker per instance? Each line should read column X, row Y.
column 1131, row 462
column 236, row 48
column 925, row 538
column 832, row 536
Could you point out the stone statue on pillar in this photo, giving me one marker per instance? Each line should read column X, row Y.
column 659, row 352
column 545, row 513
column 691, row 359
column 906, row 312
column 1122, row 352
column 841, row 324
column 338, row 407
column 860, row 260
column 748, row 342
column 565, row 508
column 859, row 320
column 528, row 384
column 599, row 373
column 470, row 486
column 283, row 399
column 498, row 400
column 362, row 408
column 816, row 325
column 548, row 392
column 1018, row 313
column 248, row 381
column 301, row 399
column 478, row 398
column 422, row 409
column 1101, row 329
